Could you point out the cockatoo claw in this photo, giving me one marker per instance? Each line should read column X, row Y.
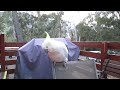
column 64, row 64
column 54, row 63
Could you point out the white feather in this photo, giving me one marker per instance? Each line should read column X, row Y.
column 57, row 50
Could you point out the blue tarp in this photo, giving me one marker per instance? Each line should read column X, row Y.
column 33, row 62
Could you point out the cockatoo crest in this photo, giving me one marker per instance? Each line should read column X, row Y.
column 47, row 35
column 46, row 42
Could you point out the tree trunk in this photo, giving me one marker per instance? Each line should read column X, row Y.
column 75, row 35
column 38, row 12
column 16, row 23
column 59, row 26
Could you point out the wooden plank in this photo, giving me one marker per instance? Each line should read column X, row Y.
column 113, row 74
column 89, row 44
column 11, row 53
column 10, row 62
column 2, row 58
column 113, row 70
column 112, row 66
column 14, row 44
column 114, row 57
column 90, row 54
column 98, row 66
column 11, row 71
column 113, row 62
column 114, row 45
column 11, row 48
column 95, row 51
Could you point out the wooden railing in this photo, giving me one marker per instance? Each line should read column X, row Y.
column 3, row 53
column 113, row 67
column 98, row 45
column 11, row 53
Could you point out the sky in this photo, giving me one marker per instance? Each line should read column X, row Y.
column 76, row 16
column 72, row 16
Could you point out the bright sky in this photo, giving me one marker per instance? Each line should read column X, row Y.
column 73, row 16
column 76, row 16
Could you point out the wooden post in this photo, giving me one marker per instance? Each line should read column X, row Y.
column 2, row 46
column 104, row 53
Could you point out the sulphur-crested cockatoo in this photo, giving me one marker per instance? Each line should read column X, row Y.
column 57, row 50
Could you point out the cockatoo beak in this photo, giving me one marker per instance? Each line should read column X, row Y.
column 46, row 50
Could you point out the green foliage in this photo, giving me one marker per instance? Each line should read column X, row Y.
column 33, row 26
column 106, row 28
column 2, row 25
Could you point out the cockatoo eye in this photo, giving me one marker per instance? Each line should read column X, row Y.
column 46, row 49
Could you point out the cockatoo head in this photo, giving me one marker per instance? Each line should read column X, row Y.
column 47, row 42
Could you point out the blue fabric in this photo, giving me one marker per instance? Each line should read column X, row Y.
column 34, row 63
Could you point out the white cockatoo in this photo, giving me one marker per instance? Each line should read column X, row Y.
column 57, row 50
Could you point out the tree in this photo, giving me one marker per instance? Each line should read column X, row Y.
column 108, row 23
column 101, row 26
column 18, row 30
column 38, row 12
column 7, row 25
column 2, row 25
column 85, row 32
column 34, row 26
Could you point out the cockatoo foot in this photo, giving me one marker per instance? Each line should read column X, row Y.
column 54, row 63
column 64, row 64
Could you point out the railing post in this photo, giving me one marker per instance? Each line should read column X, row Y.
column 104, row 53
column 2, row 53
